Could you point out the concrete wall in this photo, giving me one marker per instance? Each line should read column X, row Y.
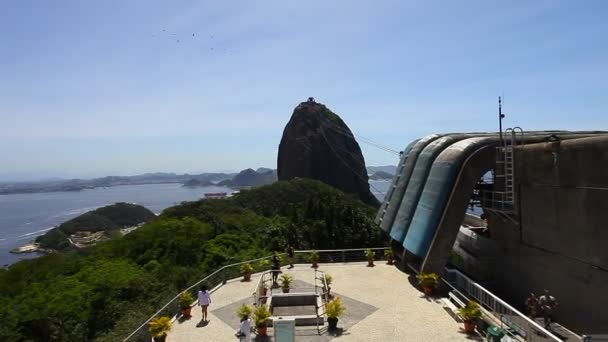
column 561, row 240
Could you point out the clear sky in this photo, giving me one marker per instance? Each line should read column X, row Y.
column 92, row 88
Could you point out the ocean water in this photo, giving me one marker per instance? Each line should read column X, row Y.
column 23, row 217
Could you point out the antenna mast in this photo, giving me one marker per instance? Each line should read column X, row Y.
column 500, row 117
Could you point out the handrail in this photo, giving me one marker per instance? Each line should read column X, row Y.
column 339, row 250
column 190, row 288
column 501, row 302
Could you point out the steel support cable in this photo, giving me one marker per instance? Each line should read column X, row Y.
column 343, row 161
column 354, row 157
column 362, row 138
column 365, row 140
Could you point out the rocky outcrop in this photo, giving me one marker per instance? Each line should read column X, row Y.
column 317, row 144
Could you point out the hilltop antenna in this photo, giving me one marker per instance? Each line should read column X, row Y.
column 500, row 117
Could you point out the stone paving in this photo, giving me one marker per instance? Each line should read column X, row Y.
column 381, row 302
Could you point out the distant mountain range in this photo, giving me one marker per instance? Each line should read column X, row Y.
column 81, row 184
column 387, row 168
column 247, row 177
column 381, row 175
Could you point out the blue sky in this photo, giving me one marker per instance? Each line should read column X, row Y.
column 91, row 88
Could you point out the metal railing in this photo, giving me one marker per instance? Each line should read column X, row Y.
column 213, row 281
column 263, row 292
column 339, row 255
column 218, row 278
column 510, row 319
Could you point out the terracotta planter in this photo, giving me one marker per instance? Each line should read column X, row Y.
column 161, row 338
column 262, row 330
column 247, row 276
column 186, row 312
column 328, row 291
column 332, row 323
column 285, row 289
column 389, row 261
column 469, row 326
column 370, row 262
column 315, row 264
column 428, row 290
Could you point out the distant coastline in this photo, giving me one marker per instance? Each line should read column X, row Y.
column 74, row 185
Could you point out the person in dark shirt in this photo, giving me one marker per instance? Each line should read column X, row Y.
column 547, row 304
column 275, row 268
column 290, row 254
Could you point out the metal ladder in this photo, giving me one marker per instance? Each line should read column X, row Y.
column 502, row 200
column 509, row 163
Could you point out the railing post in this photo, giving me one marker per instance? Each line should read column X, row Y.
column 343, row 256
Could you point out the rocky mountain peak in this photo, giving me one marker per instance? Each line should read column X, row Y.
column 317, row 144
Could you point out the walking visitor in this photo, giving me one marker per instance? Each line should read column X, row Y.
column 531, row 305
column 244, row 333
column 290, row 254
column 204, row 299
column 547, row 305
column 275, row 267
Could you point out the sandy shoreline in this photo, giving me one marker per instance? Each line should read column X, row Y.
column 31, row 247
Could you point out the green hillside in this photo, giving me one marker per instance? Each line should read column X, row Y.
column 111, row 217
column 103, row 292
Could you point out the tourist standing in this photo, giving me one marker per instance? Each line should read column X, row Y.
column 531, row 305
column 290, row 254
column 204, row 299
column 547, row 306
column 275, row 268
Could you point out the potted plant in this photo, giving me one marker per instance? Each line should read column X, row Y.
column 370, row 257
column 286, row 281
column 243, row 310
column 314, row 259
column 246, row 270
column 334, row 309
column 159, row 327
column 260, row 317
column 185, row 302
column 428, row 281
column 328, row 280
column 470, row 313
column 388, row 254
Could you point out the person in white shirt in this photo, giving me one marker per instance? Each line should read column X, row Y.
column 244, row 332
column 547, row 304
column 204, row 299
